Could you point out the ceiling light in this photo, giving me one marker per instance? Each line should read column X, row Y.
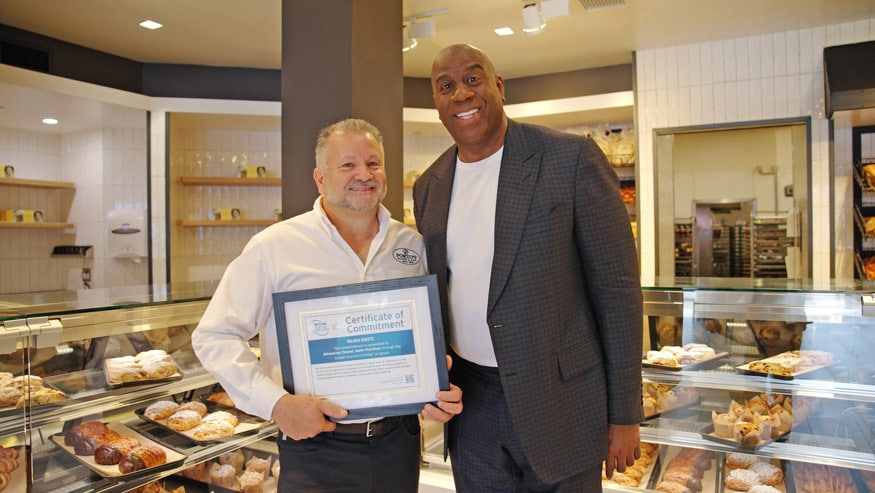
column 554, row 8
column 422, row 29
column 50, row 121
column 533, row 23
column 504, row 31
column 407, row 43
column 149, row 24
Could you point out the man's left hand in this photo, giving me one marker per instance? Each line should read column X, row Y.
column 623, row 448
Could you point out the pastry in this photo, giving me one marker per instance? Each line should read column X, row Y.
column 737, row 460
column 84, row 430
column 211, row 430
column 275, row 469
column 9, row 396
column 41, row 396
column 223, row 475
column 221, row 398
column 234, row 459
column 198, row 407
column 258, row 465
column 746, row 433
column 88, row 445
column 763, row 488
column 742, row 479
column 222, row 416
column 251, row 482
column 724, row 424
column 113, row 451
column 159, row 369
column 142, row 457
column 124, row 372
column 198, row 472
column 669, row 487
column 768, row 473
column 160, row 410
column 183, row 420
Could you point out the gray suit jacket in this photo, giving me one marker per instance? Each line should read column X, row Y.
column 565, row 305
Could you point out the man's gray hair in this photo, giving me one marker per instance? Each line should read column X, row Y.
column 348, row 125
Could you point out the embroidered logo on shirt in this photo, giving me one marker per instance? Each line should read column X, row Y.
column 406, row 256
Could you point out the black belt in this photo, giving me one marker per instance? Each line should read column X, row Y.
column 371, row 428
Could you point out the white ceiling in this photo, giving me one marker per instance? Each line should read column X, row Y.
column 242, row 33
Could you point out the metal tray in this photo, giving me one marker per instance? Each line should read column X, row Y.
column 146, row 381
column 745, row 370
column 707, row 433
column 246, row 423
column 692, row 366
column 174, row 458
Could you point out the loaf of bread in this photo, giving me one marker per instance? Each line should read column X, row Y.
column 84, row 430
column 113, row 451
column 87, row 446
column 142, row 457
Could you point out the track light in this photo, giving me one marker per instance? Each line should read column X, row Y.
column 533, row 22
column 407, row 43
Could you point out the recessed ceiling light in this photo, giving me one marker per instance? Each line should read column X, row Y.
column 50, row 121
column 504, row 31
column 151, row 24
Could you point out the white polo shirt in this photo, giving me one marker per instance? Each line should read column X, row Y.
column 303, row 252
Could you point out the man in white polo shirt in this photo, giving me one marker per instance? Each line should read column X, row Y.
column 348, row 237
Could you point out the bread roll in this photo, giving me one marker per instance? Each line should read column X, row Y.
column 113, row 451
column 142, row 457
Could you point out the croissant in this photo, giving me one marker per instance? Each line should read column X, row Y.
column 83, row 430
column 112, row 452
column 88, row 445
column 142, row 457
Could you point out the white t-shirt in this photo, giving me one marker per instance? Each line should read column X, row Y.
column 303, row 252
column 470, row 246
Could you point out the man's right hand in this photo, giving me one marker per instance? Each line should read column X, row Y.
column 303, row 416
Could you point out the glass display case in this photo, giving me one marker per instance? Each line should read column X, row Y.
column 60, row 355
column 771, row 373
column 815, row 379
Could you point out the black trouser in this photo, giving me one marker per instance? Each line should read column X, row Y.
column 347, row 461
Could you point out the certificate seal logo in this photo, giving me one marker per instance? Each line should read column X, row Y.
column 406, row 256
column 319, row 328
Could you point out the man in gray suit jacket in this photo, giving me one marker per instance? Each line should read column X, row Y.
column 532, row 246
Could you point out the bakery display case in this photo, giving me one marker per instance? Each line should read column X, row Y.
column 770, row 383
column 82, row 372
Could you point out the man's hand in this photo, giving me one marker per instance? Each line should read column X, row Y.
column 623, row 448
column 303, row 416
column 449, row 402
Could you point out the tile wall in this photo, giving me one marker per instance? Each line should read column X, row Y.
column 201, row 253
column 773, row 76
column 108, row 169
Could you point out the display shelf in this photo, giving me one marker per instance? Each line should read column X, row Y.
column 213, row 223
column 39, row 225
column 28, row 183
column 230, row 181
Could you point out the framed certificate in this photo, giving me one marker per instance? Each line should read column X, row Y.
column 374, row 348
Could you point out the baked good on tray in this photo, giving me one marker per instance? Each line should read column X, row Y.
column 142, row 457
column 146, row 365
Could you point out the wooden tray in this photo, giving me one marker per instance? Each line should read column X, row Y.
column 174, row 458
column 692, row 366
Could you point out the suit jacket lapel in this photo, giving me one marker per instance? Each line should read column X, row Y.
column 516, row 185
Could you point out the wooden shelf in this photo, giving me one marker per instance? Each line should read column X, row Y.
column 224, row 224
column 230, row 181
column 41, row 225
column 24, row 182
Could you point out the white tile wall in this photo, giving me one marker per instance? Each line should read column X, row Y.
column 773, row 76
column 108, row 168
